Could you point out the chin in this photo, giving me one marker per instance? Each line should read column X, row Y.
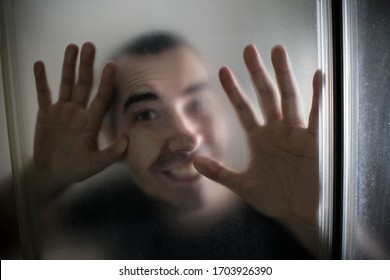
column 189, row 199
column 183, row 194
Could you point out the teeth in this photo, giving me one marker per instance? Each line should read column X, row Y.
column 182, row 172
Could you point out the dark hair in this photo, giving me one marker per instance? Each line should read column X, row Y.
column 151, row 43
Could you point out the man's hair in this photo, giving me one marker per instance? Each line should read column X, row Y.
column 151, row 43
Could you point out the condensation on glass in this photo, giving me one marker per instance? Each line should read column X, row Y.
column 40, row 30
column 367, row 130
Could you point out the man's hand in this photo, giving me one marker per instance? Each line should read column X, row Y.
column 281, row 179
column 65, row 146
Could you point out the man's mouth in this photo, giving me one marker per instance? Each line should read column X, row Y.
column 183, row 172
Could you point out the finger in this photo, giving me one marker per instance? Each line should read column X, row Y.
column 217, row 172
column 85, row 78
column 103, row 97
column 314, row 111
column 236, row 97
column 68, row 73
column 291, row 106
column 43, row 91
column 109, row 155
column 267, row 96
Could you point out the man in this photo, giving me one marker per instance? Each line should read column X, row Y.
column 167, row 128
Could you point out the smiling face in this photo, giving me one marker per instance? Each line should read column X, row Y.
column 166, row 107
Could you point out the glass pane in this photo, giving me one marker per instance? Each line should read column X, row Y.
column 152, row 203
column 367, row 220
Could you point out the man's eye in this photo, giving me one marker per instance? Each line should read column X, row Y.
column 145, row 116
column 196, row 106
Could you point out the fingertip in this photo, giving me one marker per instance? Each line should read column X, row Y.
column 278, row 48
column 250, row 48
column 88, row 51
column 118, row 148
column 249, row 51
column 72, row 46
column 71, row 53
column 110, row 69
column 223, row 70
column 217, row 172
column 317, row 83
column 38, row 68
column 252, row 59
column 199, row 161
column 227, row 80
column 89, row 45
column 37, row 63
column 225, row 74
column 278, row 53
column 122, row 144
column 280, row 60
column 206, row 166
column 318, row 78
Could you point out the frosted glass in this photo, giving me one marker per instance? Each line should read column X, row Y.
column 84, row 227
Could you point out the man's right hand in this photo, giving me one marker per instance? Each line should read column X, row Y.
column 65, row 145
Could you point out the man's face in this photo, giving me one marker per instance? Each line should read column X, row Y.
column 166, row 107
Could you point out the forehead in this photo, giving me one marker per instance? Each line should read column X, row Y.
column 172, row 69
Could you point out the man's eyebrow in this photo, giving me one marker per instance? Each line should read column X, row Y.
column 139, row 97
column 197, row 87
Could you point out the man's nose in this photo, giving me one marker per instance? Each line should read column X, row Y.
column 183, row 136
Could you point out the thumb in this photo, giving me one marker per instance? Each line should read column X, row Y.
column 111, row 154
column 217, row 172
